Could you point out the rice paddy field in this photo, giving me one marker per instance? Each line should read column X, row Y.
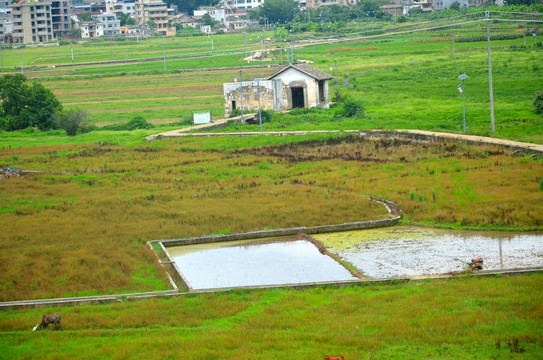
column 85, row 232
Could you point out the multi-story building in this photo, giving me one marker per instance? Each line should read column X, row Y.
column 112, row 26
column 97, row 8
column 91, row 29
column 443, row 4
column 247, row 4
column 319, row 3
column 155, row 11
column 60, row 17
column 6, row 29
column 114, row 7
column 31, row 22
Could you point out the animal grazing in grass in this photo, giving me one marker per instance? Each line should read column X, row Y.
column 334, row 357
column 51, row 319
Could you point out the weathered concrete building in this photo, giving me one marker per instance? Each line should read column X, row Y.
column 293, row 86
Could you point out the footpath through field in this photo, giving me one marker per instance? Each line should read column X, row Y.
column 420, row 134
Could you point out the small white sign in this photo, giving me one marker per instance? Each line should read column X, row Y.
column 201, row 117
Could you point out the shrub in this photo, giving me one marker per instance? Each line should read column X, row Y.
column 266, row 115
column 538, row 102
column 235, row 112
column 350, row 108
column 72, row 120
column 138, row 122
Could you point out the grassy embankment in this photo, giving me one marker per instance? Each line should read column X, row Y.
column 487, row 318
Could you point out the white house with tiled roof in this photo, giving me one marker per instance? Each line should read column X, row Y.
column 293, row 86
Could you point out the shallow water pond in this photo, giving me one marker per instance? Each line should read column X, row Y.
column 412, row 251
column 253, row 263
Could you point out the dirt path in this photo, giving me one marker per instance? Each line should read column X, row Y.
column 427, row 134
column 138, row 100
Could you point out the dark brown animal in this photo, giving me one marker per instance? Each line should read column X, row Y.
column 51, row 319
column 334, row 357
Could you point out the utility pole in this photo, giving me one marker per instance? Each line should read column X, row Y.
column 164, row 55
column 72, row 48
column 337, row 85
column 524, row 32
column 241, row 93
column 491, row 90
column 454, row 57
column 463, row 77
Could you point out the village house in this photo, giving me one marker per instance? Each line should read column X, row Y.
column 293, row 86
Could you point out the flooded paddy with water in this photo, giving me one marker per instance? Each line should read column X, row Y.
column 281, row 261
column 417, row 251
column 400, row 251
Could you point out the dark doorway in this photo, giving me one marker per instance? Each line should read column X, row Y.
column 298, row 97
column 233, row 105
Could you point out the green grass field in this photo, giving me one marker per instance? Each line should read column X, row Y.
column 406, row 81
column 485, row 318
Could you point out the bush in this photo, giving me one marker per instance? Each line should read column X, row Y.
column 138, row 122
column 538, row 102
column 350, row 108
column 235, row 112
column 266, row 116
column 72, row 120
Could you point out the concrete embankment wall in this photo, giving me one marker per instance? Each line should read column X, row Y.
column 427, row 136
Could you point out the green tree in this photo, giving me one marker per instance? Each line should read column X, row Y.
column 86, row 16
column 280, row 33
column 207, row 20
column 151, row 24
column 455, row 6
column 26, row 105
column 415, row 11
column 125, row 19
column 279, row 11
column 12, row 93
column 41, row 106
column 72, row 120
column 188, row 6
column 74, row 32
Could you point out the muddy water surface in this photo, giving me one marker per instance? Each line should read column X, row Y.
column 411, row 251
column 252, row 263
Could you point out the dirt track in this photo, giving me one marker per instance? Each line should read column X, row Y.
column 415, row 133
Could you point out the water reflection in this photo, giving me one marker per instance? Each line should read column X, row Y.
column 250, row 263
column 419, row 251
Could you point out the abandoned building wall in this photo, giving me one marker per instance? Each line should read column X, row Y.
column 270, row 96
column 293, row 78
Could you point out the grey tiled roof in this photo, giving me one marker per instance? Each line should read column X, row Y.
column 306, row 69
